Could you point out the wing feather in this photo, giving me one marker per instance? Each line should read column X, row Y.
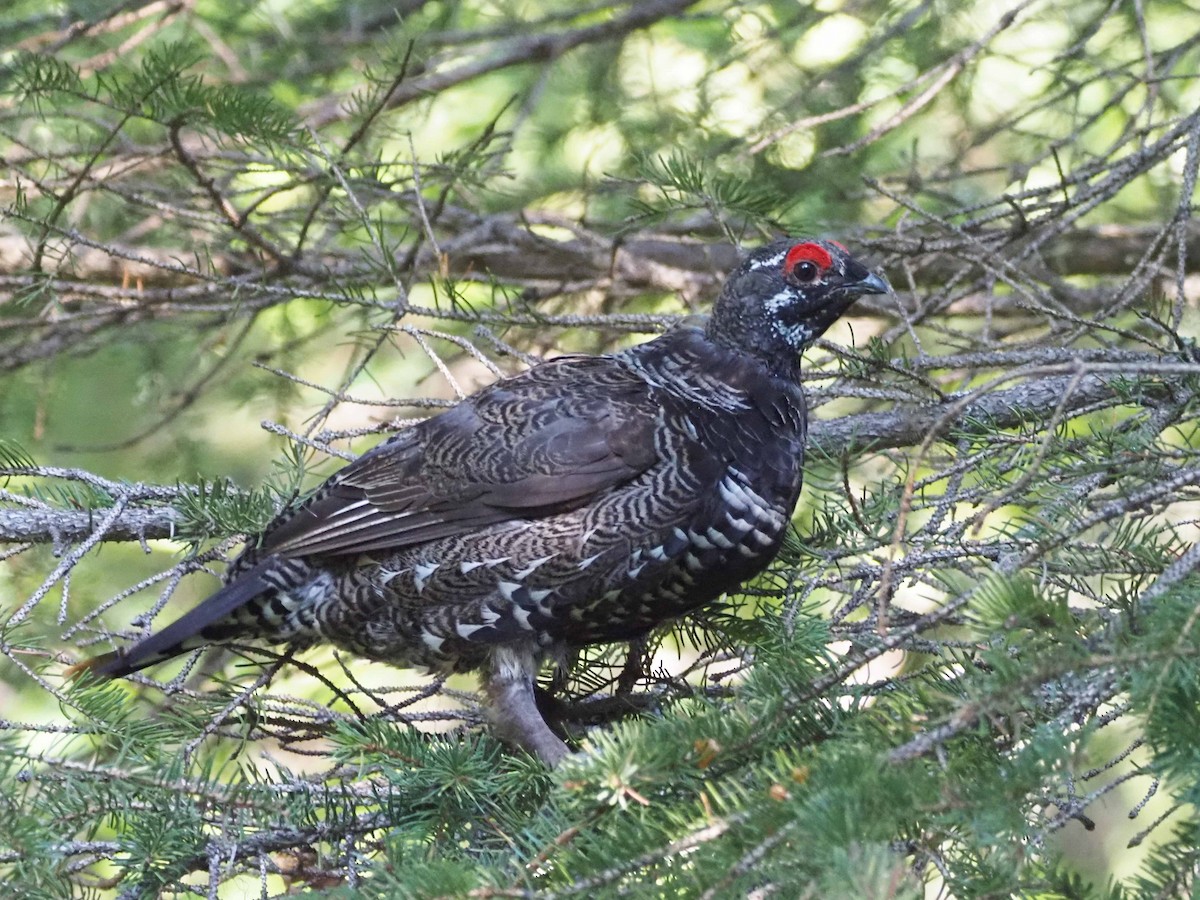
column 533, row 445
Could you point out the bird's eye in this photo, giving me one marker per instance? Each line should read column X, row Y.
column 805, row 263
column 806, row 271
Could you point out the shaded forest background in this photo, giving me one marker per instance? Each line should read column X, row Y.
column 241, row 241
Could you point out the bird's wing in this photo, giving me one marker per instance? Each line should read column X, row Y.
column 533, row 445
column 542, row 442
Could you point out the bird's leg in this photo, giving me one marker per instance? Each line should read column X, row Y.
column 635, row 667
column 554, row 712
column 513, row 706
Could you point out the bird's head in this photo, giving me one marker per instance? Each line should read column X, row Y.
column 784, row 295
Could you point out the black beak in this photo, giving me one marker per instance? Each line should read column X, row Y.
column 872, row 284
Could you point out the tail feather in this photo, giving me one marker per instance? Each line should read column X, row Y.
column 186, row 632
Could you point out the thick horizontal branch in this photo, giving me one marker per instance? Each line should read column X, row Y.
column 910, row 425
column 904, row 426
column 502, row 248
column 43, row 525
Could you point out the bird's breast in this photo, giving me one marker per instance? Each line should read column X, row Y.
column 730, row 536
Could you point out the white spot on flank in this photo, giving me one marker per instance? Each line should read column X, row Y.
column 421, row 573
column 734, row 484
column 539, row 596
column 719, row 539
column 268, row 615
column 692, row 561
column 657, row 553
column 521, row 615
column 587, row 561
column 636, row 570
column 386, row 575
column 432, row 641
column 465, row 631
column 733, row 493
column 700, row 541
column 466, row 567
column 762, row 537
column 507, row 589
column 740, row 524
column 774, row 518
column 529, row 569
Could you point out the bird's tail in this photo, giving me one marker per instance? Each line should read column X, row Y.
column 203, row 625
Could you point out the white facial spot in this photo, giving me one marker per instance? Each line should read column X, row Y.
column 778, row 301
column 770, row 262
column 793, row 335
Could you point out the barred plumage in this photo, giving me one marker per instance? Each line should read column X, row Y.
column 586, row 500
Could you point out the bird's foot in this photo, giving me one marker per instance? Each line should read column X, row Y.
column 514, row 710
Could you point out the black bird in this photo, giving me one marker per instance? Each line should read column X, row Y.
column 586, row 500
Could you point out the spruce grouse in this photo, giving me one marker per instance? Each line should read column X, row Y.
column 586, row 500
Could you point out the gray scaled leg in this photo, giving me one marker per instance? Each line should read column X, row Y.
column 513, row 709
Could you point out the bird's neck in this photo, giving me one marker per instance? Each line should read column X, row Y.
column 757, row 342
column 691, row 361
